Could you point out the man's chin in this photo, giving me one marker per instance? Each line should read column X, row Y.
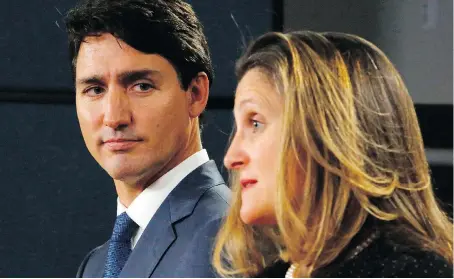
column 129, row 176
column 130, row 172
column 122, row 174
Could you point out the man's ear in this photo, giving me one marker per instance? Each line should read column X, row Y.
column 198, row 91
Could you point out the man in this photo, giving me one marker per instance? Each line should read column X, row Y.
column 142, row 74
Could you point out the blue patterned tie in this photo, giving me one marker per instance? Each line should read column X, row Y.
column 119, row 245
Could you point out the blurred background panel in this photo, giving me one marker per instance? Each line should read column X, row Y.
column 57, row 203
column 416, row 35
column 34, row 56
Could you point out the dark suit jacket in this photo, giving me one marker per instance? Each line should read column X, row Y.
column 178, row 240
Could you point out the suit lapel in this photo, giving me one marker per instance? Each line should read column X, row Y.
column 152, row 245
column 159, row 233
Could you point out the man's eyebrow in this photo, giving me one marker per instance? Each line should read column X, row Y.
column 91, row 80
column 129, row 77
column 124, row 78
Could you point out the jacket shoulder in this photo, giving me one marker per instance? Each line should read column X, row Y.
column 81, row 270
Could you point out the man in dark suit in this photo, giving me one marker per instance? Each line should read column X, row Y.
column 142, row 72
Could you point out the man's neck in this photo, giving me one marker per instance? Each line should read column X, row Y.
column 128, row 191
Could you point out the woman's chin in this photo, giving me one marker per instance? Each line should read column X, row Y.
column 251, row 217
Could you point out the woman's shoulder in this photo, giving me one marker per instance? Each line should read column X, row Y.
column 407, row 260
column 385, row 259
column 416, row 264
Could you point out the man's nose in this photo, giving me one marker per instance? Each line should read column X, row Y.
column 117, row 112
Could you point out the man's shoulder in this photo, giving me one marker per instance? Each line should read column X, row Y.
column 214, row 186
column 219, row 193
column 202, row 193
column 214, row 201
column 92, row 257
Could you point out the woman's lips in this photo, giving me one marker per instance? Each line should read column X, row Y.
column 248, row 183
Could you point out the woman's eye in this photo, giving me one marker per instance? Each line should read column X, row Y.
column 256, row 124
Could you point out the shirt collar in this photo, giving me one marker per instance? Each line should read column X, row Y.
column 148, row 202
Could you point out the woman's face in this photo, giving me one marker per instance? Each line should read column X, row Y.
column 254, row 151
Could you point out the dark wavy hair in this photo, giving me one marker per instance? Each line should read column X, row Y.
column 169, row 28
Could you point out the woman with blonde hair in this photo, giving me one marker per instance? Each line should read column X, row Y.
column 328, row 167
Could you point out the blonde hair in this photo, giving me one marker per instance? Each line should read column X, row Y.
column 352, row 149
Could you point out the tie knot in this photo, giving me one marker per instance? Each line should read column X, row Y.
column 124, row 228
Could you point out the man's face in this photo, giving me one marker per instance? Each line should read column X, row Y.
column 131, row 108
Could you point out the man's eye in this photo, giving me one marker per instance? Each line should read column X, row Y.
column 94, row 91
column 143, row 87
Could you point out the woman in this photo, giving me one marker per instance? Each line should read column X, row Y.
column 328, row 167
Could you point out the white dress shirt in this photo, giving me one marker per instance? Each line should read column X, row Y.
column 145, row 205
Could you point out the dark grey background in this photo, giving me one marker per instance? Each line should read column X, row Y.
column 417, row 36
column 56, row 202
